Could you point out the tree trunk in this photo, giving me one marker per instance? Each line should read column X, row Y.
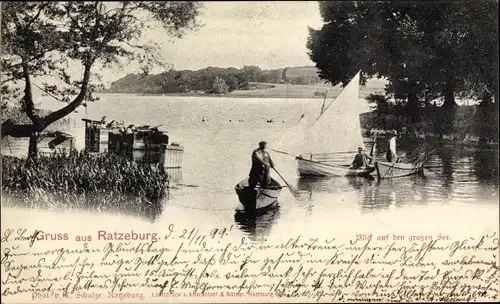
column 413, row 107
column 495, row 96
column 449, row 99
column 33, row 139
column 486, row 99
column 33, row 145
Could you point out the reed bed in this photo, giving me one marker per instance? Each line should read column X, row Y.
column 81, row 180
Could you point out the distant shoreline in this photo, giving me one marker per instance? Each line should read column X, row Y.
column 282, row 91
column 229, row 95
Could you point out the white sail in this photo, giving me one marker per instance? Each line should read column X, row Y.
column 338, row 128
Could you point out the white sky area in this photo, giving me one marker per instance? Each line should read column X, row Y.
column 233, row 34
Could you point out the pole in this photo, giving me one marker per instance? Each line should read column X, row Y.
column 292, row 189
column 324, row 100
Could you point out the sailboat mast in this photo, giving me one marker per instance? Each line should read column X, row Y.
column 324, row 100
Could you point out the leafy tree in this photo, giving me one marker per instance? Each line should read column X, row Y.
column 40, row 40
column 425, row 49
column 298, row 80
column 219, row 86
column 183, row 82
column 232, row 82
column 251, row 73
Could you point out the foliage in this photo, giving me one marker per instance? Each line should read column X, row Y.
column 79, row 179
column 426, row 50
column 219, row 86
column 186, row 81
column 40, row 40
column 467, row 121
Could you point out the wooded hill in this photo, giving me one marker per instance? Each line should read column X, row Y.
column 211, row 80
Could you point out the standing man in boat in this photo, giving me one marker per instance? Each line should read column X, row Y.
column 391, row 154
column 261, row 162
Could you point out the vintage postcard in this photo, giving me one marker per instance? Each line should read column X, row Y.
column 249, row 151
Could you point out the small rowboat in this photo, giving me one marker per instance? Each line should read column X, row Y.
column 386, row 170
column 312, row 168
column 258, row 198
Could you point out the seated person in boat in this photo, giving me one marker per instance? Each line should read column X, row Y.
column 360, row 160
column 261, row 162
column 391, row 151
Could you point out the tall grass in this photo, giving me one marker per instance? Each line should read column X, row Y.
column 81, row 180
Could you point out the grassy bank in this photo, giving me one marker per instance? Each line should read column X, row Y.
column 103, row 182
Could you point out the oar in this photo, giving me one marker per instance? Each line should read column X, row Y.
column 289, row 154
column 282, row 152
column 290, row 187
column 391, row 168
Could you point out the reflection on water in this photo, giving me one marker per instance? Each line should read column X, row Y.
column 257, row 225
column 151, row 213
column 453, row 176
column 175, row 174
column 217, row 156
column 486, row 165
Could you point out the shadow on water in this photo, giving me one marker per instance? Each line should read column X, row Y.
column 328, row 184
column 151, row 214
column 257, row 225
column 455, row 174
column 486, row 165
column 147, row 211
column 446, row 157
column 391, row 193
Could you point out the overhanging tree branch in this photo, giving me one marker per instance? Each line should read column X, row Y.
column 37, row 15
column 56, row 115
column 29, row 106
column 79, row 31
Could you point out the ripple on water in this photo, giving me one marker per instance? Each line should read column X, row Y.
column 217, row 156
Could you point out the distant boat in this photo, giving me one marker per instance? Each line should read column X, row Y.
column 258, row 198
column 335, row 134
column 386, row 170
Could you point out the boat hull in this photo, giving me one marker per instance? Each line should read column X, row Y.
column 258, row 198
column 310, row 168
column 387, row 170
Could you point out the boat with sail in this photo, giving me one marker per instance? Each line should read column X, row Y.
column 335, row 135
column 258, row 198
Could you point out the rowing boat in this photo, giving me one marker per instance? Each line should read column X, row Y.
column 312, row 168
column 258, row 198
column 386, row 170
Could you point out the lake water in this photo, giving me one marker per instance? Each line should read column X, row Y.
column 462, row 184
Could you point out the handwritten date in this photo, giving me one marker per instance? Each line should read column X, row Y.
column 195, row 263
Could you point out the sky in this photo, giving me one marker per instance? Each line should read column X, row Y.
column 233, row 34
